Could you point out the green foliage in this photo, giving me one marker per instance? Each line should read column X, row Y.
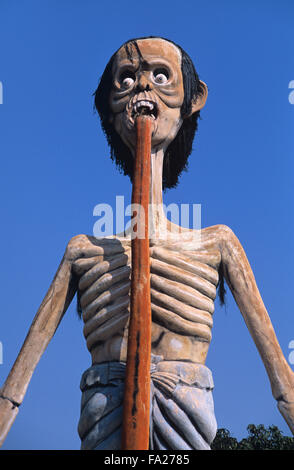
column 224, row 441
column 259, row 438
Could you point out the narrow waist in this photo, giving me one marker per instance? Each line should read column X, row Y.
column 189, row 373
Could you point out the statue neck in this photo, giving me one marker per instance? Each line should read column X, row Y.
column 157, row 219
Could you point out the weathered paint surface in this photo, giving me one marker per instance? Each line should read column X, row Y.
column 137, row 383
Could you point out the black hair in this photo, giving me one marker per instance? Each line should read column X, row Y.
column 177, row 153
column 221, row 285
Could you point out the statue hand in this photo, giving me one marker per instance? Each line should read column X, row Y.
column 287, row 410
column 286, row 403
column 8, row 413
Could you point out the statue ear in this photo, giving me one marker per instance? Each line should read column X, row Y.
column 200, row 100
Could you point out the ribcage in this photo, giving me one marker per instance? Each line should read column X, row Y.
column 105, row 298
column 183, row 289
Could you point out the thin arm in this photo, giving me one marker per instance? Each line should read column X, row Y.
column 240, row 279
column 45, row 323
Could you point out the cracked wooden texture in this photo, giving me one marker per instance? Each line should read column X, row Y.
column 136, row 405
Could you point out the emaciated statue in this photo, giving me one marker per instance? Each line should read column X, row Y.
column 156, row 76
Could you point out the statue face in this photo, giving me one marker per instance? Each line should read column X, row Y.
column 147, row 81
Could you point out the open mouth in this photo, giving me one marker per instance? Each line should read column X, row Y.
column 146, row 108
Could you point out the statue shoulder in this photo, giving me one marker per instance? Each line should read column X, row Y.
column 231, row 250
column 223, row 239
column 86, row 246
column 221, row 234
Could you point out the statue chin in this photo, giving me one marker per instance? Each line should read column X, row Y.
column 163, row 130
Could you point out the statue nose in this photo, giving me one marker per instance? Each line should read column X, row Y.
column 143, row 83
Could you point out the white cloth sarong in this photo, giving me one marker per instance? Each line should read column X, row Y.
column 181, row 412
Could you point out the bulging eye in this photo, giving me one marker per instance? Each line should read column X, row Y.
column 127, row 82
column 161, row 76
column 127, row 79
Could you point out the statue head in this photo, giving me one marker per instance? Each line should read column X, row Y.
column 151, row 76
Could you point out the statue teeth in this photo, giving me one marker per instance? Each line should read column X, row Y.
column 141, row 103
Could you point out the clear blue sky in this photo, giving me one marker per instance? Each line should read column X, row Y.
column 55, row 168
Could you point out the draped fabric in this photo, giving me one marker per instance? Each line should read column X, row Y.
column 181, row 411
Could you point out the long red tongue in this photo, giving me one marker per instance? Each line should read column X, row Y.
column 136, row 408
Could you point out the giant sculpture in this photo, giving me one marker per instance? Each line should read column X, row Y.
column 155, row 78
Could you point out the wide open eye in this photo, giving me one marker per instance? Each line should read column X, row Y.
column 127, row 79
column 161, row 76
